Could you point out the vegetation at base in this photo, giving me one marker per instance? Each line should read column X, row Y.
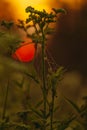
column 40, row 114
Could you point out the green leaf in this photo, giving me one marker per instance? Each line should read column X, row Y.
column 18, row 83
column 28, row 20
column 56, row 108
column 32, row 77
column 49, row 30
column 29, row 9
column 59, row 10
column 72, row 104
column 39, row 104
column 35, row 111
column 7, row 24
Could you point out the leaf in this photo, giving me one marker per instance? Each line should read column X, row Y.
column 28, row 20
column 59, row 11
column 18, row 83
column 7, row 24
column 59, row 72
column 8, row 125
column 18, row 125
column 29, row 9
column 56, row 108
column 72, row 104
column 39, row 104
column 49, row 30
column 48, row 115
column 32, row 77
column 62, row 125
column 37, row 112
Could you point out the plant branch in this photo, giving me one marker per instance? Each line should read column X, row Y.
column 5, row 102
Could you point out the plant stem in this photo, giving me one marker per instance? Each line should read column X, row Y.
column 51, row 112
column 43, row 78
column 5, row 102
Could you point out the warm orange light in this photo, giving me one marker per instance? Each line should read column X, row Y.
column 20, row 6
column 25, row 53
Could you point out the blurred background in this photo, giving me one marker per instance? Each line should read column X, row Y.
column 68, row 47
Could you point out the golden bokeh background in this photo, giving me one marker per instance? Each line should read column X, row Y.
column 16, row 9
column 68, row 47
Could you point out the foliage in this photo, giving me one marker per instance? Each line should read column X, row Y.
column 41, row 114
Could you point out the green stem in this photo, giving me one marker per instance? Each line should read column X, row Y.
column 43, row 78
column 5, row 102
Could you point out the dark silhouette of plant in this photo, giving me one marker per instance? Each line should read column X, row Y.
column 40, row 22
column 42, row 113
column 40, row 116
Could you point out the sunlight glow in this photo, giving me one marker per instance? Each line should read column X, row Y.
column 20, row 6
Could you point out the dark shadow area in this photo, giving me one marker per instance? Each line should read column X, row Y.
column 69, row 44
